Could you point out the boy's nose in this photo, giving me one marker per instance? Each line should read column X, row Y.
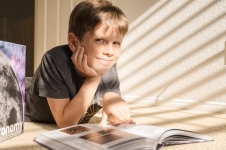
column 109, row 50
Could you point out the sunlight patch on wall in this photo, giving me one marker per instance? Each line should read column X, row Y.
column 171, row 47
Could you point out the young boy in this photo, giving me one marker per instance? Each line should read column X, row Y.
column 74, row 81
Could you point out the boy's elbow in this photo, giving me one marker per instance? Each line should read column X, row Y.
column 63, row 121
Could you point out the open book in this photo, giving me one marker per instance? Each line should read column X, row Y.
column 116, row 136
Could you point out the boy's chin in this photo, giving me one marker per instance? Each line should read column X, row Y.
column 102, row 71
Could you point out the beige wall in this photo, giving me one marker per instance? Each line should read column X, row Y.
column 174, row 52
column 51, row 24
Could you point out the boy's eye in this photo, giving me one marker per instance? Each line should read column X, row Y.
column 116, row 43
column 100, row 40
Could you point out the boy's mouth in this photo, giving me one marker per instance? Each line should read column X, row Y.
column 105, row 61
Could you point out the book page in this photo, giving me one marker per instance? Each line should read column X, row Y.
column 149, row 131
column 176, row 136
column 92, row 137
column 161, row 135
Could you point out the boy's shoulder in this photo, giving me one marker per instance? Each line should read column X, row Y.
column 59, row 52
column 60, row 55
column 59, row 49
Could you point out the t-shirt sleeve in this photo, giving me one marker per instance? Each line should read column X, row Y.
column 51, row 82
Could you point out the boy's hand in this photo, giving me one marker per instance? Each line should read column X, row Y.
column 80, row 61
column 116, row 106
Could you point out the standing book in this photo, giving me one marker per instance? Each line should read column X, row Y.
column 12, row 89
column 116, row 136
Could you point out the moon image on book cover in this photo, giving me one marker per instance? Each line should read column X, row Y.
column 12, row 84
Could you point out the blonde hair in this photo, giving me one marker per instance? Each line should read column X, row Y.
column 90, row 13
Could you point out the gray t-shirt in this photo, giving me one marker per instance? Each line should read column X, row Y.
column 57, row 78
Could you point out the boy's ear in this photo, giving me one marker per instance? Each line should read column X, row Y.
column 73, row 41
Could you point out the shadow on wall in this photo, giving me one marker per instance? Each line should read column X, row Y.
column 175, row 50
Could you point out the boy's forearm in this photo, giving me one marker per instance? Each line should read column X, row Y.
column 81, row 101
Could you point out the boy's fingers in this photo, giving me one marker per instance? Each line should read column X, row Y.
column 80, row 56
column 131, row 121
column 104, row 119
column 126, row 118
column 124, row 115
column 75, row 57
column 76, row 51
column 84, row 64
column 88, row 70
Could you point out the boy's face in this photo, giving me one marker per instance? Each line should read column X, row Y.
column 102, row 48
